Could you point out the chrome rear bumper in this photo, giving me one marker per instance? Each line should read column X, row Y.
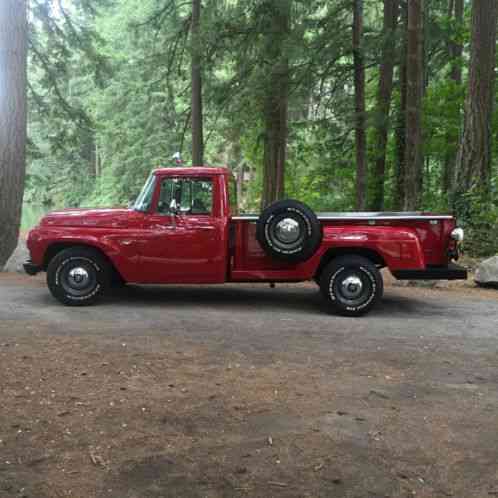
column 450, row 272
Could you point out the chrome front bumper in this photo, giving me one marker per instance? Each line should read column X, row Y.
column 30, row 268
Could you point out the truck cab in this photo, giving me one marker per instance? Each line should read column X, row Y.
column 185, row 228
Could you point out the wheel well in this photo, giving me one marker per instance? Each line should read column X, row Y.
column 56, row 248
column 370, row 254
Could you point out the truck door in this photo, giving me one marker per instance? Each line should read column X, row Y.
column 183, row 238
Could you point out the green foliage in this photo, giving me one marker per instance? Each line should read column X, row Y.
column 110, row 100
column 478, row 215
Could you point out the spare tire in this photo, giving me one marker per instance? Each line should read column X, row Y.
column 289, row 231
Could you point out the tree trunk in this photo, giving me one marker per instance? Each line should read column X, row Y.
column 197, row 126
column 13, row 84
column 456, row 46
column 97, row 159
column 276, row 103
column 455, row 51
column 473, row 163
column 426, row 45
column 384, row 94
column 414, row 92
column 360, row 117
column 399, row 184
column 237, row 164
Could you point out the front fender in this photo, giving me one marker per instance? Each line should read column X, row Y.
column 119, row 246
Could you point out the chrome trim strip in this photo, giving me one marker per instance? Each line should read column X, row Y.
column 393, row 218
column 361, row 218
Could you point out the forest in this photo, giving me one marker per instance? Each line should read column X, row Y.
column 343, row 104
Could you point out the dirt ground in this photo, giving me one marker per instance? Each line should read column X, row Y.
column 246, row 391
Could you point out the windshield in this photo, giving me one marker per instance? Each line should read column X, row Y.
column 144, row 200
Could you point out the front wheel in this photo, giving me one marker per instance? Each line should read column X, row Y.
column 352, row 285
column 78, row 276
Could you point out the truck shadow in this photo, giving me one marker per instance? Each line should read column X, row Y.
column 299, row 298
column 225, row 297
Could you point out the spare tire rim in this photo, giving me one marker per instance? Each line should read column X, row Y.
column 287, row 231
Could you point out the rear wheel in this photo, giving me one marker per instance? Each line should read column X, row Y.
column 352, row 285
column 78, row 276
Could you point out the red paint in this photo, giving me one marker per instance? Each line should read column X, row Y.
column 147, row 247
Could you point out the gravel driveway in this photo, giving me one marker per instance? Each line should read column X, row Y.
column 247, row 391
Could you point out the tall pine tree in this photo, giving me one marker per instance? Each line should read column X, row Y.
column 13, row 113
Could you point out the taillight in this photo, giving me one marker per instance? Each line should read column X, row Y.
column 457, row 234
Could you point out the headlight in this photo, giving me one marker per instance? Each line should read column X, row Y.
column 457, row 234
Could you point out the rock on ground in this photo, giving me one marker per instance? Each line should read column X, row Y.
column 19, row 256
column 487, row 272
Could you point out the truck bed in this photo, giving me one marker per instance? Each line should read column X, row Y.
column 411, row 240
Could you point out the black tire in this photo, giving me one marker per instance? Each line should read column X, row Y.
column 296, row 244
column 361, row 294
column 91, row 277
column 116, row 280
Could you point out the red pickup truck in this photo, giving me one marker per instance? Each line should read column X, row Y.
column 184, row 228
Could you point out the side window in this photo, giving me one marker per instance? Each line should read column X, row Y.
column 166, row 195
column 202, row 197
column 185, row 196
column 192, row 196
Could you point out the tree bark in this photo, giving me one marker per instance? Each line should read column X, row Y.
column 276, row 103
column 384, row 95
column 456, row 46
column 455, row 51
column 473, row 165
column 360, row 108
column 197, row 115
column 237, row 163
column 414, row 92
column 13, row 85
column 399, row 184
column 97, row 159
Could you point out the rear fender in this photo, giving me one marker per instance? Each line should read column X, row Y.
column 397, row 248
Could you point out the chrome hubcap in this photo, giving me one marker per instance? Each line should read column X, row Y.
column 78, row 278
column 287, row 230
column 351, row 287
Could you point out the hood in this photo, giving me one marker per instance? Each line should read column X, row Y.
column 100, row 218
